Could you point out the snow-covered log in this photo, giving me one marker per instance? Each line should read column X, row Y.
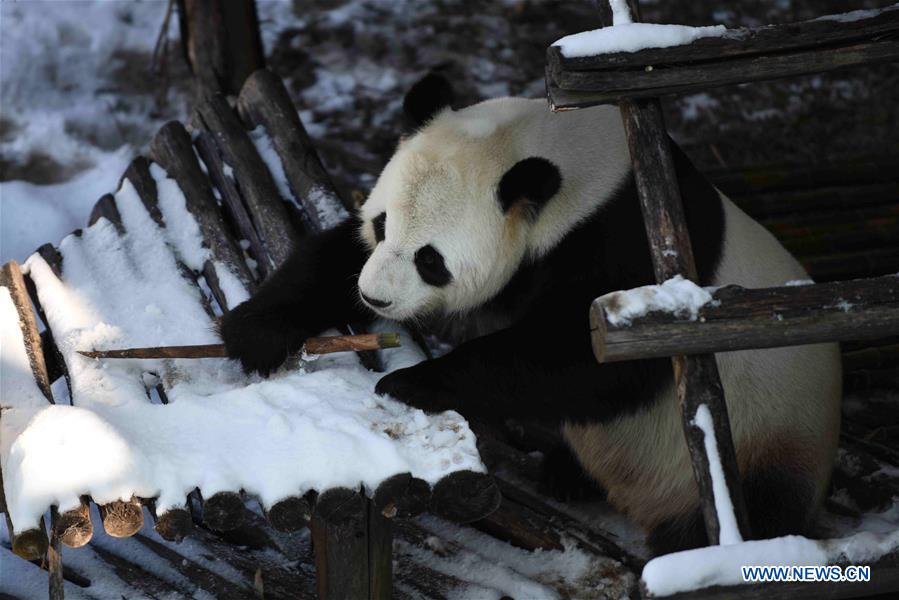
column 172, row 150
column 264, row 102
column 737, row 56
column 626, row 326
column 257, row 187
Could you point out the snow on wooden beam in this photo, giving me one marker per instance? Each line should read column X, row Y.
column 739, row 56
column 736, row 318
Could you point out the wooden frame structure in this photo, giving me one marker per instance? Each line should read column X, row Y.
column 808, row 314
column 351, row 532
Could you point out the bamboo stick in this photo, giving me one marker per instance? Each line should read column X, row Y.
column 315, row 345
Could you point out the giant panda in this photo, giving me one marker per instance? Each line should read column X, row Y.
column 499, row 223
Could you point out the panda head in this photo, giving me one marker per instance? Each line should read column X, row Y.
column 447, row 222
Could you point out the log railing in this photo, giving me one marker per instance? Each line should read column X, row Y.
column 347, row 524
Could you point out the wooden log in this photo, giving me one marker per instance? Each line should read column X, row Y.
column 871, row 358
column 54, row 560
column 222, row 42
column 696, row 377
column 172, row 149
column 173, row 525
column 721, row 61
column 777, row 178
column 465, row 496
column 852, row 265
column 739, row 42
column 520, row 527
column 340, row 540
column 232, row 201
column 313, row 345
column 291, row 514
column 401, row 496
column 264, row 102
column 12, row 279
column 587, row 88
column 122, row 518
column 74, row 527
column 380, row 554
column 770, row 205
column 106, row 208
column 223, row 511
column 263, row 201
column 739, row 319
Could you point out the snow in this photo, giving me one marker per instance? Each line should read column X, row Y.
column 16, row 379
column 64, row 107
column 329, row 210
column 220, row 431
column 633, row 37
column 729, row 531
column 677, row 295
column 720, row 565
column 857, row 15
column 798, row 282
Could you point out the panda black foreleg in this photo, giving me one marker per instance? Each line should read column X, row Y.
column 313, row 290
column 531, row 370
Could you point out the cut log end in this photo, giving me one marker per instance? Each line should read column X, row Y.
column 31, row 544
column 174, row 525
column 223, row 511
column 340, row 506
column 402, row 496
column 465, row 496
column 74, row 527
column 122, row 519
column 290, row 514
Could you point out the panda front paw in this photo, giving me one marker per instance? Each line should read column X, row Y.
column 259, row 341
column 417, row 387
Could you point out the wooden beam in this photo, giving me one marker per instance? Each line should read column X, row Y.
column 740, row 56
column 738, row 319
column 696, row 377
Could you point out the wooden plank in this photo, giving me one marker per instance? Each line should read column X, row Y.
column 172, row 149
column 739, row 42
column 582, row 88
column 74, row 528
column 263, row 201
column 465, row 496
column 232, row 201
column 54, row 560
column 340, row 540
column 696, row 376
column 264, row 101
column 12, row 279
column 738, row 319
column 380, row 554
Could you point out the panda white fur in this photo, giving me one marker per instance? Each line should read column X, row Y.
column 498, row 224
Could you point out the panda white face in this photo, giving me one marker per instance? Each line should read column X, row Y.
column 447, row 223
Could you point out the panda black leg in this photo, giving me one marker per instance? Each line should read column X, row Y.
column 564, row 479
column 683, row 532
column 777, row 500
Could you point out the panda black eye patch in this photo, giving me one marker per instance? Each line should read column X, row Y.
column 431, row 267
column 378, row 223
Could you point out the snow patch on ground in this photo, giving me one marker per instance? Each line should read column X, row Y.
column 678, row 296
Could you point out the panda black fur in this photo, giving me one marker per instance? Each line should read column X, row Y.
column 501, row 222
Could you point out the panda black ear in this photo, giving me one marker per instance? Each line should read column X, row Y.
column 426, row 98
column 530, row 182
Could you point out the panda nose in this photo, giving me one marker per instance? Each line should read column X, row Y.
column 376, row 303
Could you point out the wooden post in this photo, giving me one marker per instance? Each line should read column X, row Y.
column 221, row 41
column 696, row 376
column 54, row 559
column 353, row 547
